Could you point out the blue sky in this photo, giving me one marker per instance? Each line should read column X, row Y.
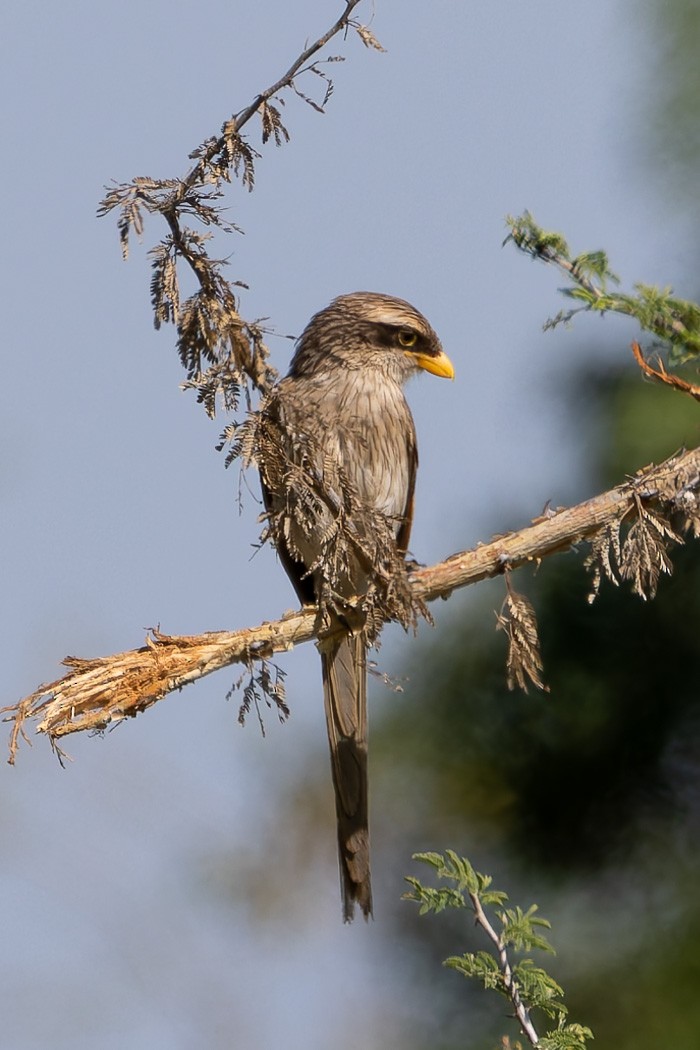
column 118, row 514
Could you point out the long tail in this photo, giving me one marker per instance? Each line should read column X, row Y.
column 344, row 663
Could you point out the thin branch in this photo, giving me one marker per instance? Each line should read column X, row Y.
column 296, row 67
column 97, row 693
column 224, row 356
column 662, row 376
column 675, row 321
column 509, row 982
column 559, row 530
column 198, row 173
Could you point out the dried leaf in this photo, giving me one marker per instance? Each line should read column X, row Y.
column 235, row 154
column 517, row 618
column 689, row 516
column 264, row 683
column 272, row 124
column 324, row 76
column 165, row 292
column 368, row 38
column 603, row 558
column 644, row 557
column 126, row 198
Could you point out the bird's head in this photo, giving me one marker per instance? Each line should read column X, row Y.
column 374, row 331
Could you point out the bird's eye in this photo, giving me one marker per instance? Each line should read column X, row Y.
column 407, row 338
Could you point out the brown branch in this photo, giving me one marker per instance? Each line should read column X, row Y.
column 233, row 348
column 285, row 81
column 662, row 376
column 197, row 175
column 98, row 693
column 559, row 530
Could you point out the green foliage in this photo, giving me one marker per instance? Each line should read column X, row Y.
column 526, row 986
column 458, row 870
column 568, row 1037
column 519, row 929
column 674, row 322
column 531, row 238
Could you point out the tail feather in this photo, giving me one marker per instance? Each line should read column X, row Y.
column 344, row 662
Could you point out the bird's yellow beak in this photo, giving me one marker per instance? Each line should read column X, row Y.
column 439, row 366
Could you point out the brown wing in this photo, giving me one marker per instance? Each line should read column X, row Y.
column 403, row 536
column 272, row 464
column 302, row 583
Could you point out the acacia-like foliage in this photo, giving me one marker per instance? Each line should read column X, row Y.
column 673, row 321
column 511, row 932
column 223, row 355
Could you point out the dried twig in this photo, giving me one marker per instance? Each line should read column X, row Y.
column 199, row 174
column 224, row 356
column 662, row 376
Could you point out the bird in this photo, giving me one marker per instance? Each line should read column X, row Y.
column 337, row 457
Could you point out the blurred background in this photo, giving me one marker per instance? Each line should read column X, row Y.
column 176, row 885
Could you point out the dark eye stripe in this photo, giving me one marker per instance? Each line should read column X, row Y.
column 389, row 336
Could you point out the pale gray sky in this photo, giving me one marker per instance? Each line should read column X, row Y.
column 118, row 514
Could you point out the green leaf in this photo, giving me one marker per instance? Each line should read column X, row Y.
column 675, row 321
column 459, row 870
column 538, row 989
column 519, row 929
column 531, row 238
column 431, row 899
column 480, row 965
column 525, row 986
column 594, row 264
column 567, row 1037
